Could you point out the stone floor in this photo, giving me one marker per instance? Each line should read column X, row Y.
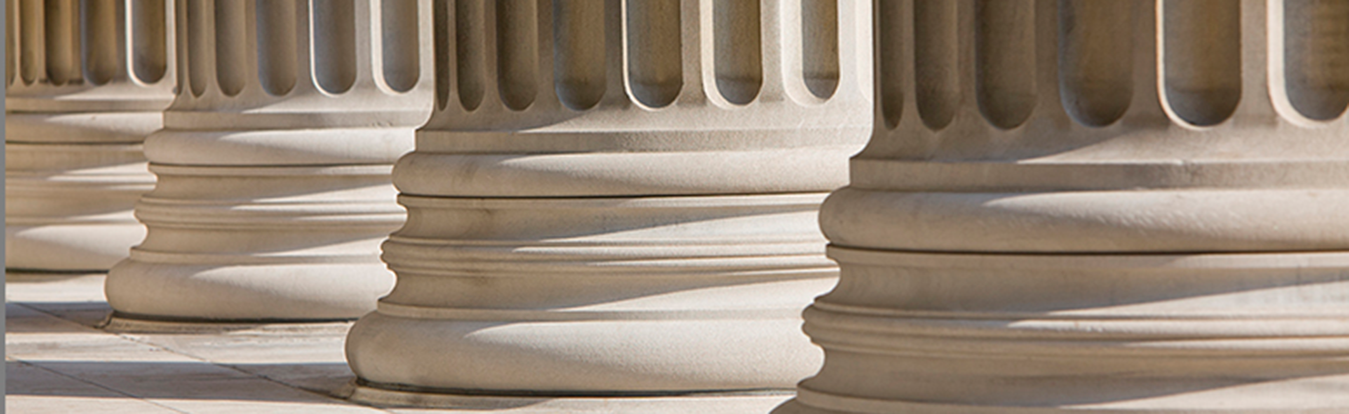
column 57, row 360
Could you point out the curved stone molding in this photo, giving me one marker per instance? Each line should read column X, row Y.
column 85, row 84
column 1142, row 211
column 273, row 166
column 617, row 199
column 621, row 98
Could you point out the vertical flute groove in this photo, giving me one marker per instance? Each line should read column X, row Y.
column 442, row 25
column 230, row 60
column 470, row 51
column 402, row 59
column 738, row 49
column 1316, row 57
column 334, row 40
column 890, row 62
column 62, row 42
column 578, row 55
column 102, row 45
column 517, row 25
column 199, row 29
column 654, row 62
column 1202, row 59
column 32, row 53
column 936, row 61
column 1095, row 65
column 149, row 41
column 277, row 45
column 819, row 46
column 1005, row 60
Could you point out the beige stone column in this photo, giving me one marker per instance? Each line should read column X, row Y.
column 84, row 84
column 273, row 167
column 618, row 199
column 1092, row 206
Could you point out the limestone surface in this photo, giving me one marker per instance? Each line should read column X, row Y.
column 274, row 161
column 84, row 86
column 618, row 199
column 1087, row 206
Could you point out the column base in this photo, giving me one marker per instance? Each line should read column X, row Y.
column 693, row 402
column 597, row 296
column 938, row 333
column 287, row 243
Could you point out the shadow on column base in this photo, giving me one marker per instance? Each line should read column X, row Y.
column 119, row 322
column 526, row 402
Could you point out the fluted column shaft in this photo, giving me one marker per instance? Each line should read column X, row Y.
column 85, row 84
column 274, row 163
column 617, row 198
column 1123, row 206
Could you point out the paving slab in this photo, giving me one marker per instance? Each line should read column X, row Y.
column 31, row 389
column 310, row 359
column 58, row 362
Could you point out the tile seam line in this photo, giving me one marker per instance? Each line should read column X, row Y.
column 97, row 385
column 133, row 339
column 323, row 395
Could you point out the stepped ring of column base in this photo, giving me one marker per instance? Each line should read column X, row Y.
column 1164, row 333
column 594, row 299
column 294, row 243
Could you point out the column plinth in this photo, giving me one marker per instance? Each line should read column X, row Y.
column 81, row 95
column 1049, row 227
column 273, row 166
column 617, row 200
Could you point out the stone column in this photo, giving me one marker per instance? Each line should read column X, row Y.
column 84, row 85
column 617, row 198
column 273, row 167
column 1122, row 206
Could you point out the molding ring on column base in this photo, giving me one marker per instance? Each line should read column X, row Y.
column 597, row 295
column 381, row 395
column 1163, row 221
column 80, row 128
column 278, row 147
column 624, row 174
column 1145, row 333
column 125, row 323
column 729, row 350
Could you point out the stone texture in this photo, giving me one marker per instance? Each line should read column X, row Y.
column 85, row 84
column 273, row 165
column 59, row 364
column 56, row 363
column 1073, row 206
column 617, row 199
